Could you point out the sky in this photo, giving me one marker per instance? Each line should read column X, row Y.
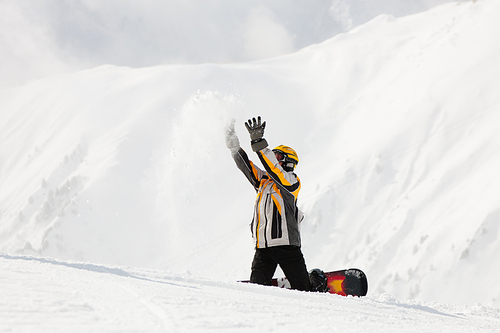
column 41, row 38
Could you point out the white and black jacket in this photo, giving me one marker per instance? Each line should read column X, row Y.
column 276, row 217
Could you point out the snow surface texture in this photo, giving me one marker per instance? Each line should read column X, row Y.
column 47, row 295
column 395, row 124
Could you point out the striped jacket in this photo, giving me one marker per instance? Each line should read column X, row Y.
column 276, row 217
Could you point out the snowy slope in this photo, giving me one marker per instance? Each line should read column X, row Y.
column 47, row 295
column 41, row 38
column 394, row 123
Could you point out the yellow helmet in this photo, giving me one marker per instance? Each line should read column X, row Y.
column 289, row 155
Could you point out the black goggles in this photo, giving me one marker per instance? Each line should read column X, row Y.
column 282, row 157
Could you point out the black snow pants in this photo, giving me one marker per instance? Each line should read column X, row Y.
column 289, row 258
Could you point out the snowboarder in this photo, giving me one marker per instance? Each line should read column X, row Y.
column 276, row 218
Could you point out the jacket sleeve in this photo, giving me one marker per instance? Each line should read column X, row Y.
column 249, row 169
column 286, row 180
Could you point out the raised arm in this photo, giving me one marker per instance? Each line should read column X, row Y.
column 240, row 157
column 286, row 180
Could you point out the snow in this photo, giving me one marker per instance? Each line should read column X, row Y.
column 40, row 38
column 122, row 210
column 62, row 296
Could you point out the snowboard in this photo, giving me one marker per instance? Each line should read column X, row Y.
column 344, row 282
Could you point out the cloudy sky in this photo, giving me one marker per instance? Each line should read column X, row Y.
column 40, row 38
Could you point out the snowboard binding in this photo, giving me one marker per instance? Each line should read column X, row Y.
column 318, row 280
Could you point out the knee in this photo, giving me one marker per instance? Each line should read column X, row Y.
column 259, row 277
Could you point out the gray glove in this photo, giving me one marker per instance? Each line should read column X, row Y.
column 232, row 141
column 256, row 130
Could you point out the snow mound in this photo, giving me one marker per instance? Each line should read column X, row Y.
column 48, row 295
